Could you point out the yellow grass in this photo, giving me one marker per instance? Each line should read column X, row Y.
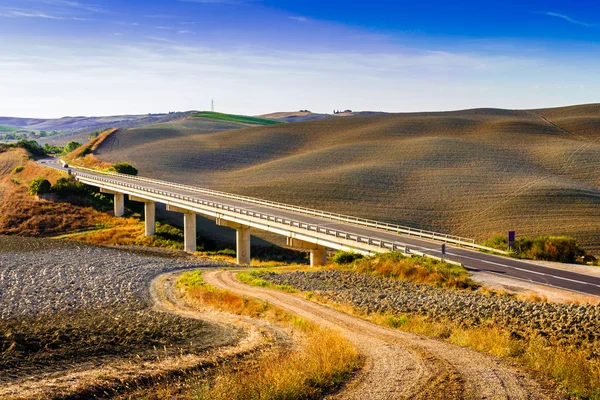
column 323, row 362
column 576, row 370
column 22, row 214
column 416, row 269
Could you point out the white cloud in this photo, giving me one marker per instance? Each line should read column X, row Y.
column 164, row 76
column 567, row 18
column 232, row 2
column 13, row 13
column 299, row 19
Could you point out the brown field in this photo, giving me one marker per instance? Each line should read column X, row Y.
column 471, row 173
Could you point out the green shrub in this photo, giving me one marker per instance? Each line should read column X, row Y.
column 18, row 169
column 345, row 257
column 499, row 242
column 125, row 168
column 71, row 146
column 65, row 187
column 549, row 248
column 39, row 186
column 32, row 147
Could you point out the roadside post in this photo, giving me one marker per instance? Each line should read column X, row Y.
column 443, row 251
column 511, row 239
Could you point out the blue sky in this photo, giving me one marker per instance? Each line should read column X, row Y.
column 91, row 57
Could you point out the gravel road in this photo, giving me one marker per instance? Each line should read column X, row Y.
column 40, row 275
column 403, row 365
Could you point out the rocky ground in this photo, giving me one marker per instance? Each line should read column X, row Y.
column 565, row 323
column 64, row 303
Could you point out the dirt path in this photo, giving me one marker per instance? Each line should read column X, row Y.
column 100, row 375
column 399, row 364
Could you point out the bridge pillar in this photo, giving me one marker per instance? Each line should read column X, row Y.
column 149, row 215
column 242, row 240
column 318, row 253
column 189, row 228
column 119, row 201
column 189, row 232
column 318, row 257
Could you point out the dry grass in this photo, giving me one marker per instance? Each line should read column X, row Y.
column 22, row 214
column 323, row 364
column 576, row 370
column 469, row 172
column 324, row 361
column 84, row 156
column 415, row 269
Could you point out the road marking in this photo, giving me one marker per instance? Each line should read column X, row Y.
column 526, row 270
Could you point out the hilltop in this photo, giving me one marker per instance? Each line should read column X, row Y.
column 472, row 172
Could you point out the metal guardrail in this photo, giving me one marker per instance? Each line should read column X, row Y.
column 461, row 241
column 382, row 244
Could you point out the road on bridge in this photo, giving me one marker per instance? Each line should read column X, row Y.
column 471, row 259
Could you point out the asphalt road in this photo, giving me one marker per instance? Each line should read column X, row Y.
column 471, row 259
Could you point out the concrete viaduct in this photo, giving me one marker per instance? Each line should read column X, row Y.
column 313, row 230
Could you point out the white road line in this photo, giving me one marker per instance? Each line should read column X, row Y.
column 527, row 270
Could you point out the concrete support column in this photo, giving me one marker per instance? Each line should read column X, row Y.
column 149, row 214
column 318, row 258
column 119, row 202
column 318, row 253
column 242, row 240
column 189, row 231
column 150, row 218
column 242, row 246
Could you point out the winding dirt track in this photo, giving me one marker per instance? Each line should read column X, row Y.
column 402, row 365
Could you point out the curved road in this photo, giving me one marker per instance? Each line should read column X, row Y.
column 471, row 259
column 403, row 365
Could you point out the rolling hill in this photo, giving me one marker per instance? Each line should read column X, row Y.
column 471, row 173
column 78, row 128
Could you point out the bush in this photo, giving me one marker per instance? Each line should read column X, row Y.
column 549, row 248
column 18, row 169
column 345, row 257
column 125, row 168
column 416, row 269
column 65, row 187
column 499, row 242
column 71, row 146
column 39, row 186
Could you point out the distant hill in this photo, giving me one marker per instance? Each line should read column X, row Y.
column 78, row 128
column 303, row 116
column 472, row 172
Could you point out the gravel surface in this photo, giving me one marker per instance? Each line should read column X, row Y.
column 40, row 276
column 566, row 323
column 67, row 306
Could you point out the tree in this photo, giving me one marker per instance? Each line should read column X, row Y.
column 71, row 146
column 32, row 147
column 68, row 186
column 125, row 168
column 39, row 186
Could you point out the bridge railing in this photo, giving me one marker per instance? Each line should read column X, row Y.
column 421, row 233
column 383, row 245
